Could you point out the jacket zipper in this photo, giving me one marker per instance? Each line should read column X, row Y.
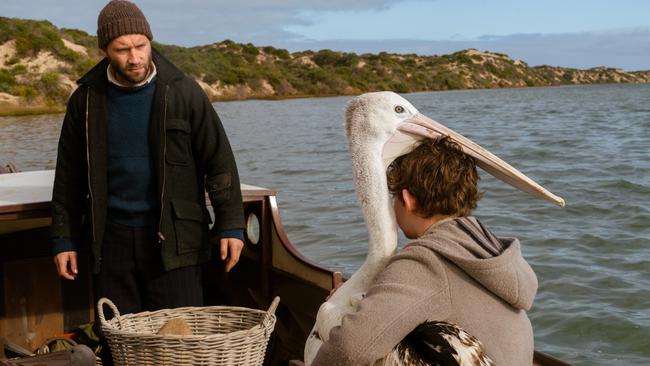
column 161, row 237
column 90, row 189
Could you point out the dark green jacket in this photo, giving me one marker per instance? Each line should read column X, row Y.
column 190, row 152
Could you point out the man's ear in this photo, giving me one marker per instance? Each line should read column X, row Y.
column 410, row 202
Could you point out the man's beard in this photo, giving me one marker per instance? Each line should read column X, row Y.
column 131, row 79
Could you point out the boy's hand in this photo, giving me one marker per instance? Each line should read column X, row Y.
column 230, row 251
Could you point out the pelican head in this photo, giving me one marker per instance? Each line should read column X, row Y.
column 389, row 125
column 374, row 117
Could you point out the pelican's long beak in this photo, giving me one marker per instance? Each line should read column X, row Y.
column 420, row 126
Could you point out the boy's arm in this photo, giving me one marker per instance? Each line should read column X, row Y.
column 410, row 290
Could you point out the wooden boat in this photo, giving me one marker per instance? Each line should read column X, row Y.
column 36, row 305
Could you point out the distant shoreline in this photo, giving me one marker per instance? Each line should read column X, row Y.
column 12, row 110
column 9, row 110
column 39, row 64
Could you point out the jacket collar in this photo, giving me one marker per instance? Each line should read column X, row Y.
column 167, row 72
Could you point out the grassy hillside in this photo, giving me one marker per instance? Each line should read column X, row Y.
column 39, row 63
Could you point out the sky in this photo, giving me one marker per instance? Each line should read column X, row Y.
column 568, row 33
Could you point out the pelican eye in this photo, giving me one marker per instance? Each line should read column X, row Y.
column 399, row 109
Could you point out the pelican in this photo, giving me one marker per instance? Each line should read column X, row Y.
column 380, row 127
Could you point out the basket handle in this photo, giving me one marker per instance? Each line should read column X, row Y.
column 272, row 308
column 100, row 312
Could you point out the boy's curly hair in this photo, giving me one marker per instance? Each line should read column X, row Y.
column 439, row 175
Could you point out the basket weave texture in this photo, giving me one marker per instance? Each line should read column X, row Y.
column 221, row 335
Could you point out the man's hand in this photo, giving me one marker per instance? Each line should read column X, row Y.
column 230, row 251
column 66, row 265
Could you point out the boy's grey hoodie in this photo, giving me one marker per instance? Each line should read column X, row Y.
column 456, row 272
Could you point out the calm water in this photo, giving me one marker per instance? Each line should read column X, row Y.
column 589, row 145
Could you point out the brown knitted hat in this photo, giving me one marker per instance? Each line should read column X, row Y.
column 120, row 17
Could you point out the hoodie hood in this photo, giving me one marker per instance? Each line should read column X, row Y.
column 496, row 263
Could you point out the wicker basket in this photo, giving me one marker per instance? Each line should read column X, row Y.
column 221, row 335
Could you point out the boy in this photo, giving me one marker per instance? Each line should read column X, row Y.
column 454, row 270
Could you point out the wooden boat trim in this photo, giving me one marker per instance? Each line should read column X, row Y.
column 287, row 258
column 19, row 211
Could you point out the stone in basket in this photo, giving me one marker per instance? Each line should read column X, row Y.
column 221, row 335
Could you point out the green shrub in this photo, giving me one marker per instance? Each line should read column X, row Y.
column 7, row 81
column 326, row 58
column 25, row 91
column 250, row 52
column 400, row 87
column 461, row 57
column 50, row 86
column 18, row 69
column 568, row 76
column 12, row 61
column 282, row 54
column 279, row 53
column 80, row 37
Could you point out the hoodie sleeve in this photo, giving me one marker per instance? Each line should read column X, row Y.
column 409, row 291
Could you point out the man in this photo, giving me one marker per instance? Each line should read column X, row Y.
column 139, row 147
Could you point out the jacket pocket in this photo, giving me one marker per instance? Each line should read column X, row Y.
column 189, row 224
column 218, row 187
column 178, row 134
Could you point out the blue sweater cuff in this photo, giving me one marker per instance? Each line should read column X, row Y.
column 232, row 233
column 63, row 245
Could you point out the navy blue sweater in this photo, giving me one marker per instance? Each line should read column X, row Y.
column 131, row 185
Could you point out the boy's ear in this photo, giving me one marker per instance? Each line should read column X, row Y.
column 410, row 202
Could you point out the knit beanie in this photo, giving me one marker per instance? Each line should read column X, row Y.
column 120, row 17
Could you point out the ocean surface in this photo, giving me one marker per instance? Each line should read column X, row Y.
column 588, row 144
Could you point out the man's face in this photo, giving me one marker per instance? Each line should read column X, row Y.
column 130, row 58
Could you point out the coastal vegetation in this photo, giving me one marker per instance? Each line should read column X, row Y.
column 39, row 64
